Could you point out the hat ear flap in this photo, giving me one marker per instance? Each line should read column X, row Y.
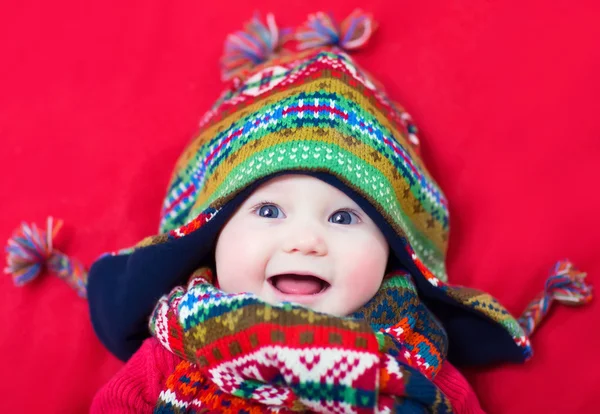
column 481, row 331
column 123, row 289
column 476, row 337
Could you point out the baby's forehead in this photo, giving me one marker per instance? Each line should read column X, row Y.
column 300, row 186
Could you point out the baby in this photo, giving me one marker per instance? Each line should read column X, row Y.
column 303, row 242
column 294, row 239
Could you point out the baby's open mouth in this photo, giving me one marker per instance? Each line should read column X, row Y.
column 293, row 284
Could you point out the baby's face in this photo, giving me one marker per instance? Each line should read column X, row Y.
column 298, row 239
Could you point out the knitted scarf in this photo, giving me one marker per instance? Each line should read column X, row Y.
column 240, row 354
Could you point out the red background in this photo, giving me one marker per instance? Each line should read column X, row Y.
column 97, row 100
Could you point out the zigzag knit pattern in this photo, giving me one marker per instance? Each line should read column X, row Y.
column 239, row 352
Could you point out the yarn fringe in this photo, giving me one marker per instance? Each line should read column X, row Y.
column 30, row 251
column 565, row 285
column 321, row 29
column 256, row 44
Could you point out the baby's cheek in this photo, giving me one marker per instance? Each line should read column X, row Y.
column 365, row 272
column 229, row 276
column 362, row 285
column 242, row 270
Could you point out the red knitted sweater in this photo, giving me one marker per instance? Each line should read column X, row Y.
column 135, row 388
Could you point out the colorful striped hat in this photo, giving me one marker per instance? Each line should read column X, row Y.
column 311, row 111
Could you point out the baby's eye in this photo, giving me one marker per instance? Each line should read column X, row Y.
column 344, row 217
column 269, row 211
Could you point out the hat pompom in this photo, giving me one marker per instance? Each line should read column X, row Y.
column 255, row 45
column 322, row 30
column 30, row 250
column 566, row 285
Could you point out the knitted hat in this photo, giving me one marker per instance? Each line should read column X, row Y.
column 312, row 111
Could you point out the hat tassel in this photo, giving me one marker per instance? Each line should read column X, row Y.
column 30, row 250
column 566, row 285
column 322, row 30
column 256, row 44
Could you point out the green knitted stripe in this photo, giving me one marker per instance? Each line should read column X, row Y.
column 247, row 388
column 340, row 102
column 319, row 392
column 312, row 156
column 513, row 327
column 343, row 127
column 400, row 281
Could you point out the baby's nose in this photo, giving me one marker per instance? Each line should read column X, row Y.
column 306, row 241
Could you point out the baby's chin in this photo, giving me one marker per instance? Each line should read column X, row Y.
column 322, row 304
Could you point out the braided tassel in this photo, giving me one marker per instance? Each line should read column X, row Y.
column 29, row 250
column 322, row 30
column 565, row 285
column 245, row 49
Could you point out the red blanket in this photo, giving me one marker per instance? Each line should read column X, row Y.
column 97, row 101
